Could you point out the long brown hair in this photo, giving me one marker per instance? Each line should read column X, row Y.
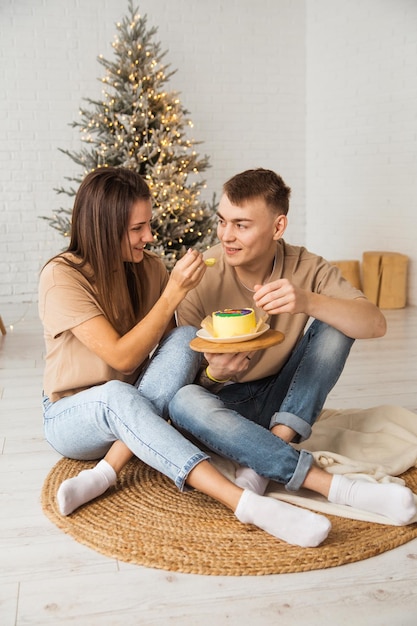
column 100, row 220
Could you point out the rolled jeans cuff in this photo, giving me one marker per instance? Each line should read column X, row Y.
column 187, row 468
column 304, row 464
column 301, row 427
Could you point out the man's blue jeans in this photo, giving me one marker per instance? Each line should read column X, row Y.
column 85, row 425
column 236, row 423
column 296, row 395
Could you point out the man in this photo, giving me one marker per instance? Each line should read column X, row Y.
column 282, row 388
column 256, row 268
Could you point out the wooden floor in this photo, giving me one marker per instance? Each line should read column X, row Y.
column 48, row 578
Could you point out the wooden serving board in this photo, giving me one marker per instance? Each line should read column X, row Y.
column 268, row 339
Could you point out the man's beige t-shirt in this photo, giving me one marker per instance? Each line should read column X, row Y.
column 65, row 301
column 220, row 289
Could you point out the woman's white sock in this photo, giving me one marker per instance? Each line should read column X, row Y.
column 89, row 484
column 389, row 499
column 282, row 520
column 247, row 478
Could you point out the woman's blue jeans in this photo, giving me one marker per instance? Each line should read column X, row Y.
column 85, row 425
column 236, row 423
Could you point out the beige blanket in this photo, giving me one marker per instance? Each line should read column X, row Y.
column 375, row 444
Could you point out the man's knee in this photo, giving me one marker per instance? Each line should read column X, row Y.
column 331, row 342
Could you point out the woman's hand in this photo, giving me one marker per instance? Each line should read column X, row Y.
column 188, row 271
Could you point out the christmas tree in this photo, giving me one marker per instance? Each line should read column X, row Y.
column 141, row 125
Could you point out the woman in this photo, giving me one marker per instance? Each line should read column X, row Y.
column 107, row 304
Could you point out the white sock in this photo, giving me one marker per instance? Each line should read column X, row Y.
column 247, row 478
column 282, row 520
column 389, row 499
column 89, row 484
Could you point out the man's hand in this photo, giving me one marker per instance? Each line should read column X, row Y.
column 281, row 296
column 224, row 366
column 357, row 318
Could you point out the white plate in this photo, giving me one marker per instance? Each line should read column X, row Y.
column 203, row 334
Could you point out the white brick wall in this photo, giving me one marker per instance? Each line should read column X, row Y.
column 362, row 129
column 247, row 71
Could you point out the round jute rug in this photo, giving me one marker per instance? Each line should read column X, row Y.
column 147, row 521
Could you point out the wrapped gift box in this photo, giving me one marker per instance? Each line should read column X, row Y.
column 384, row 278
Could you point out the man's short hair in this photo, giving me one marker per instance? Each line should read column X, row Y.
column 256, row 183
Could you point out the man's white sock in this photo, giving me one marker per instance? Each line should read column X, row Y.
column 247, row 478
column 282, row 520
column 89, row 484
column 389, row 499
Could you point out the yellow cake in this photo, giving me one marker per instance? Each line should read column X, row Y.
column 233, row 322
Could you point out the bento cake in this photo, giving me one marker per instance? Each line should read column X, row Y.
column 233, row 322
